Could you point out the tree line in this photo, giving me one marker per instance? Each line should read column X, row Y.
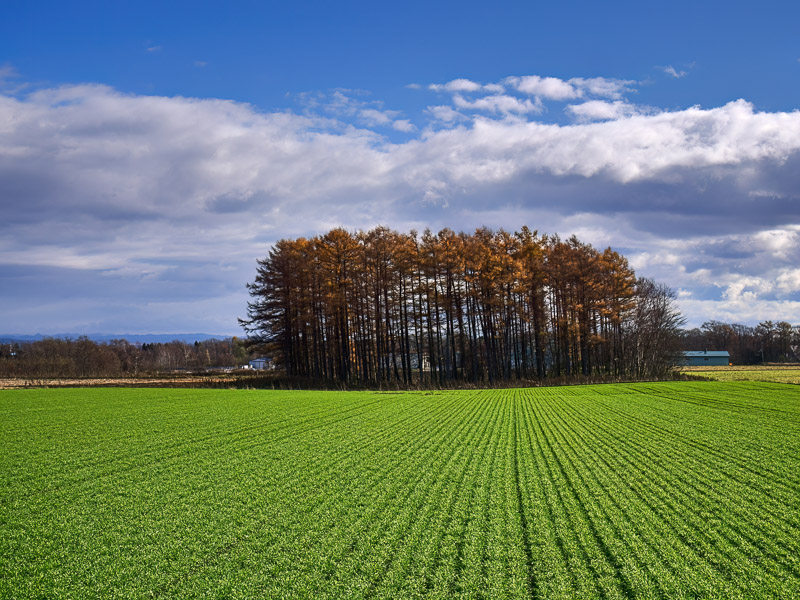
column 82, row 357
column 769, row 341
column 380, row 306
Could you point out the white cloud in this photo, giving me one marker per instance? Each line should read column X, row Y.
column 603, row 86
column 526, row 96
column 373, row 116
column 672, row 72
column 743, row 287
column 79, row 127
column 600, row 110
column 663, row 257
column 387, row 118
column 457, row 85
column 93, row 179
column 789, row 281
column 7, row 72
column 498, row 104
column 403, row 125
column 737, row 277
column 779, row 242
column 445, row 114
column 553, row 88
column 354, row 105
column 550, row 88
column 663, row 146
column 341, row 103
column 744, row 311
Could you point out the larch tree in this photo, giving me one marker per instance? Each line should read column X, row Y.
column 380, row 307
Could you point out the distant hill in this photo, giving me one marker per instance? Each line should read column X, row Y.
column 133, row 338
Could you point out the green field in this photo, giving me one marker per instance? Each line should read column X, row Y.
column 671, row 490
column 781, row 374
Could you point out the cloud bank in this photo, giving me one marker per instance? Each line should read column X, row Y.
column 159, row 206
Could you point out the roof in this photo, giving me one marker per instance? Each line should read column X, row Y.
column 706, row 353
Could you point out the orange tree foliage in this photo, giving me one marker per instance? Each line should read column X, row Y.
column 387, row 307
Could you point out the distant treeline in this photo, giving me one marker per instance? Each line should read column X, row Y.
column 767, row 342
column 82, row 357
column 382, row 306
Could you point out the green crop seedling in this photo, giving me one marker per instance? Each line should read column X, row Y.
column 684, row 489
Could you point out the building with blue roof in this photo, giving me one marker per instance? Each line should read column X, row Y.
column 707, row 358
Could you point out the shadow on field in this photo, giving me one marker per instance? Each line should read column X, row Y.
column 280, row 381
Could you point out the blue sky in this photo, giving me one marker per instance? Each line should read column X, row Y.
column 151, row 152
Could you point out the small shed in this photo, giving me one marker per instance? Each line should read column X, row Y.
column 707, row 358
column 261, row 363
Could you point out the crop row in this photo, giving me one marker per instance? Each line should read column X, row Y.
column 687, row 489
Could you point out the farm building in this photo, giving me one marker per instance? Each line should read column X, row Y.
column 261, row 364
column 706, row 358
